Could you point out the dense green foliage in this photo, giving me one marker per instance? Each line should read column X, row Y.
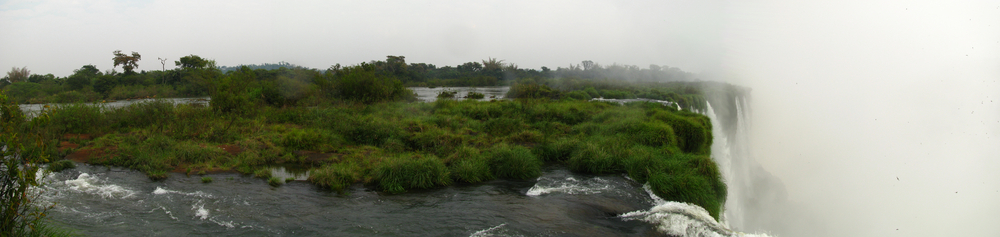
column 287, row 84
column 22, row 156
column 353, row 125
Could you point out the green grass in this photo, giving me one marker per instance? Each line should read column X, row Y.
column 397, row 174
column 335, row 176
column 469, row 165
column 514, row 162
column 61, row 165
column 206, row 179
column 275, row 181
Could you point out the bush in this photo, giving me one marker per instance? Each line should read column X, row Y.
column 371, row 130
column 558, row 150
column 680, row 177
column 514, row 162
column 604, row 155
column 475, row 95
column 447, row 94
column 694, row 136
column 77, row 118
column 206, row 179
column 532, row 90
column 262, row 173
column 61, row 165
column 311, row 139
column 275, row 181
column 361, row 83
column 652, row 133
column 503, row 126
column 397, row 174
column 578, row 95
column 469, row 166
column 335, row 176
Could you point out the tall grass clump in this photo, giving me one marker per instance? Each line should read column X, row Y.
column 681, row 177
column 410, row 171
column 514, row 162
column 335, row 176
column 468, row 165
column 371, row 130
column 694, row 134
column 61, row 165
column 311, row 139
column 143, row 114
column 77, row 118
column 558, row 150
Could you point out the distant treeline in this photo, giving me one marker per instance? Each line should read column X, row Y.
column 196, row 77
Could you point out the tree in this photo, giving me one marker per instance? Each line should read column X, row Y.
column 587, row 65
column 128, row 62
column 191, row 61
column 163, row 64
column 19, row 216
column 82, row 77
column 18, row 74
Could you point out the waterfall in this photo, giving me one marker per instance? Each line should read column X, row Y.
column 730, row 150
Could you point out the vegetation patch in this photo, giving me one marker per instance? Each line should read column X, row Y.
column 356, row 124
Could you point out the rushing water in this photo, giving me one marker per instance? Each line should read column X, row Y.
column 102, row 201
column 109, row 201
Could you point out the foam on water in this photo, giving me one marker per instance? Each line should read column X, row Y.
column 92, row 185
column 199, row 210
column 682, row 219
column 162, row 191
column 568, row 185
column 499, row 230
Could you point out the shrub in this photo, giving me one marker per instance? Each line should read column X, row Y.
column 514, row 162
column 469, row 166
column 275, row 181
column 532, row 90
column 447, row 94
column 61, row 165
column 653, row 133
column 335, row 176
column 397, row 174
column 311, row 139
column 558, row 150
column 597, row 158
column 370, row 130
column 77, row 118
column 262, row 173
column 693, row 136
column 206, row 179
column 578, row 95
column 361, row 83
column 503, row 126
column 475, row 95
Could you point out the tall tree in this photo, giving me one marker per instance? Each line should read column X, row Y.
column 128, row 62
column 18, row 74
column 191, row 61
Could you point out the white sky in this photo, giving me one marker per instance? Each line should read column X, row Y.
column 59, row 36
column 847, row 95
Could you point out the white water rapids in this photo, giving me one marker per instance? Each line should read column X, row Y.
column 683, row 219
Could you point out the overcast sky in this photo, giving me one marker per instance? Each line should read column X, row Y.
column 59, row 36
column 848, row 96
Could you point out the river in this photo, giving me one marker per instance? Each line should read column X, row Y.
column 110, row 201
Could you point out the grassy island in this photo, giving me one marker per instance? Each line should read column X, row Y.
column 359, row 124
